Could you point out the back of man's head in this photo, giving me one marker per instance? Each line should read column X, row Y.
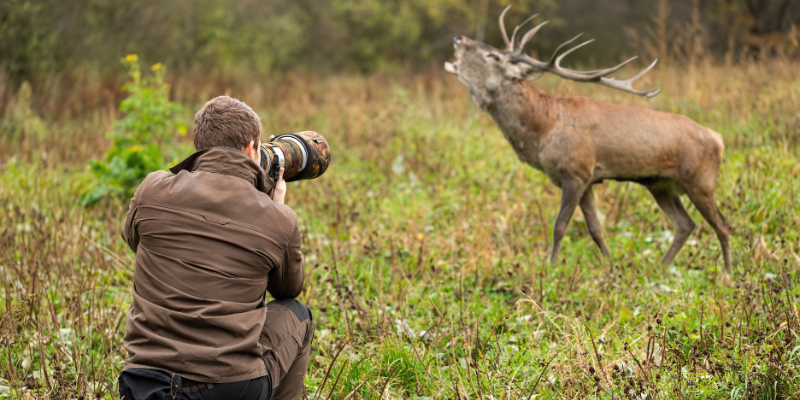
column 226, row 122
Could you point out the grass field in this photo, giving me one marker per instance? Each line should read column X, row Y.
column 426, row 245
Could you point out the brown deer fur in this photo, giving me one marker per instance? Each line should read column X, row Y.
column 579, row 142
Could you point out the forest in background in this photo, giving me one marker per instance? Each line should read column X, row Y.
column 68, row 51
column 43, row 37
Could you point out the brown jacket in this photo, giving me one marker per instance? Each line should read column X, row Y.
column 209, row 241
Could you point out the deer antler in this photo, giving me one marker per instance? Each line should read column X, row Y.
column 554, row 64
column 509, row 45
column 514, row 35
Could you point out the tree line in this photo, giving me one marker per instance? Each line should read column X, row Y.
column 46, row 36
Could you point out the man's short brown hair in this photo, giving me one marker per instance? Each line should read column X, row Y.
column 226, row 122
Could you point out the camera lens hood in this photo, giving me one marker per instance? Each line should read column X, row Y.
column 303, row 155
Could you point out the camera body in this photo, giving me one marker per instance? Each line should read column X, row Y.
column 303, row 155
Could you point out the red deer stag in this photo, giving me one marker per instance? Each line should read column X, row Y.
column 579, row 142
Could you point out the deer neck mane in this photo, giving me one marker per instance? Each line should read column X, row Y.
column 522, row 114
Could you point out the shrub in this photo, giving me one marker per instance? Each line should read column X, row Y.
column 149, row 120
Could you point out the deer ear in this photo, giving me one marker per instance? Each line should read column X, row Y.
column 533, row 75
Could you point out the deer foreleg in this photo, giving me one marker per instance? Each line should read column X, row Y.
column 571, row 192
column 592, row 221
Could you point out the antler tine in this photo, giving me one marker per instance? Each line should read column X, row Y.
column 589, row 75
column 528, row 36
column 561, row 46
column 557, row 64
column 604, row 72
column 503, row 27
column 516, row 30
column 627, row 85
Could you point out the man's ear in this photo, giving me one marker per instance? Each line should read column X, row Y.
column 251, row 151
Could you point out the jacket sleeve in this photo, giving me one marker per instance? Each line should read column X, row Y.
column 129, row 233
column 286, row 281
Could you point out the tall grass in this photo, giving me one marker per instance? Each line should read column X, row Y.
column 426, row 246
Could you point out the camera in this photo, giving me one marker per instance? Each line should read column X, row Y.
column 303, row 155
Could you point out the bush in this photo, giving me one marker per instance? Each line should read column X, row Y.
column 149, row 120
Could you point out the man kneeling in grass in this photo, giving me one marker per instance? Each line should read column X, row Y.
column 210, row 238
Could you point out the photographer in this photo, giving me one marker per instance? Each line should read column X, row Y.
column 209, row 241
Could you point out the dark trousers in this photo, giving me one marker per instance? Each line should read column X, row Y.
column 286, row 338
column 156, row 384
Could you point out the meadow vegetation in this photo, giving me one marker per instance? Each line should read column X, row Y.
column 426, row 245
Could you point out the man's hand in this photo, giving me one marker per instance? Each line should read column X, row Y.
column 280, row 188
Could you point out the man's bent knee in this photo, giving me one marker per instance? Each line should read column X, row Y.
column 286, row 337
column 299, row 309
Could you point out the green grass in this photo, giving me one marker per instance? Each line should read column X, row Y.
column 426, row 246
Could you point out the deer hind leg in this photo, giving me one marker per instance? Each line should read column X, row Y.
column 668, row 198
column 571, row 192
column 703, row 199
column 592, row 221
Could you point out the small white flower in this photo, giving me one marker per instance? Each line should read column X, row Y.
column 398, row 166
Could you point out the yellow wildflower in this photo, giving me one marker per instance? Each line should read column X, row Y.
column 131, row 57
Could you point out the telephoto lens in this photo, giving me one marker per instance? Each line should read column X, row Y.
column 303, row 155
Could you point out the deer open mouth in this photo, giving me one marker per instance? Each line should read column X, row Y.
column 452, row 67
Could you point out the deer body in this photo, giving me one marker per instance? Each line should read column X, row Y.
column 579, row 142
column 598, row 140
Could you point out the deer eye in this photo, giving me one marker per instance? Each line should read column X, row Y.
column 514, row 62
column 493, row 57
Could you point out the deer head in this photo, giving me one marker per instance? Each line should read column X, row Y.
column 484, row 69
column 481, row 68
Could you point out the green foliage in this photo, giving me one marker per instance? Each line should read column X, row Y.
column 38, row 37
column 150, row 120
column 20, row 122
column 27, row 37
column 221, row 35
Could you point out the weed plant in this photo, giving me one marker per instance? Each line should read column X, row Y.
column 149, row 121
column 426, row 245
